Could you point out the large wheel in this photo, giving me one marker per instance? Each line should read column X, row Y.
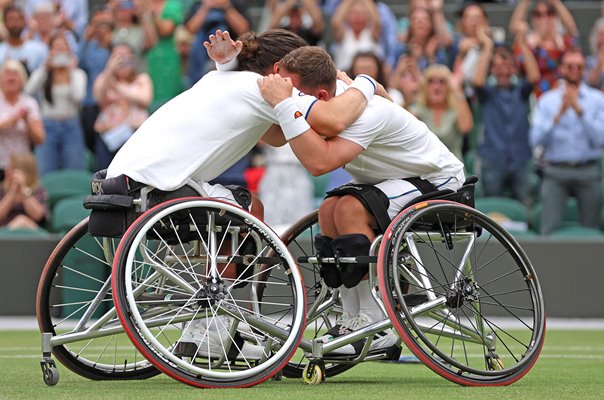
column 323, row 309
column 462, row 294
column 172, row 272
column 76, row 273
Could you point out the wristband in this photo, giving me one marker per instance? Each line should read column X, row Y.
column 366, row 85
column 292, row 122
column 227, row 66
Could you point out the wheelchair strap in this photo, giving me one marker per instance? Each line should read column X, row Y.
column 423, row 185
column 372, row 198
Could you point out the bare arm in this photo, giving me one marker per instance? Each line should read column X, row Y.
column 311, row 6
column 320, row 156
column 329, row 118
column 565, row 17
column 35, row 129
column 519, row 15
column 374, row 17
column 593, row 78
column 440, row 23
column 197, row 20
column 238, row 23
column 281, row 10
column 482, row 68
column 530, row 63
column 338, row 20
column 465, row 120
column 274, row 136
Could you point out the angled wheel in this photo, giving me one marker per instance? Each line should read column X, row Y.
column 74, row 303
column 187, row 277
column 323, row 308
column 462, row 294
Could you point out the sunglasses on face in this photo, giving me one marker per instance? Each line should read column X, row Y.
column 439, row 81
column 539, row 14
column 574, row 66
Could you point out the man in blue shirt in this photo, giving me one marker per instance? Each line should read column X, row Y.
column 504, row 147
column 568, row 123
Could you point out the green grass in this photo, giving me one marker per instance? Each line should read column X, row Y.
column 571, row 366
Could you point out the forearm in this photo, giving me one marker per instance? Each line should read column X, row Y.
column 8, row 122
column 482, row 68
column 140, row 93
column 337, row 20
column 78, row 86
column 519, row 15
column 36, row 80
column 315, row 13
column 197, row 19
column 101, row 85
column 150, row 34
column 465, row 120
column 35, row 130
column 442, row 31
column 594, row 76
column 329, row 118
column 34, row 209
column 274, row 136
column 566, row 18
column 164, row 27
column 530, row 63
column 238, row 23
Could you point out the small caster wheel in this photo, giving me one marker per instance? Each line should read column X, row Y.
column 313, row 374
column 278, row 376
column 494, row 362
column 50, row 373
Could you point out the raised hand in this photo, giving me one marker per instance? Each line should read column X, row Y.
column 221, row 48
column 275, row 89
column 343, row 76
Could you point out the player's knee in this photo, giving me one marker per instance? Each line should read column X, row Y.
column 349, row 208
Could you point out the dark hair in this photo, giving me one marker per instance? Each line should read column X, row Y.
column 571, row 50
column 261, row 52
column 378, row 62
column 13, row 8
column 466, row 5
column 314, row 66
column 50, row 75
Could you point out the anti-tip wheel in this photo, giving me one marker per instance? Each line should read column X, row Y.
column 313, row 374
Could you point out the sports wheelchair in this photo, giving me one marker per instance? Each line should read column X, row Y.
column 456, row 287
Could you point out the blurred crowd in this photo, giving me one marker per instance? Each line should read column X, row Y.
column 522, row 105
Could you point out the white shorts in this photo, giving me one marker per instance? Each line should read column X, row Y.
column 400, row 192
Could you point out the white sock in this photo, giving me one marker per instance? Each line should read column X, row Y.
column 367, row 304
column 350, row 300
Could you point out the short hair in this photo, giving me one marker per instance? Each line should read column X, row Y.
column 314, row 66
column 17, row 66
column 571, row 50
column 261, row 52
column 14, row 8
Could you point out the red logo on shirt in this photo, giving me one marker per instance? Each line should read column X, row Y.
column 297, row 114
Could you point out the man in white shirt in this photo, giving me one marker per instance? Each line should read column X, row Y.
column 386, row 148
column 203, row 131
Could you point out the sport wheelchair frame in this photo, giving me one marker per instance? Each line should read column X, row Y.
column 445, row 302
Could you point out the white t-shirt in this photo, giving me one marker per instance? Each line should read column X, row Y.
column 397, row 145
column 198, row 134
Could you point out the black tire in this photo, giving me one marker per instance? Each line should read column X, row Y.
column 299, row 240
column 462, row 294
column 160, row 269
column 76, row 268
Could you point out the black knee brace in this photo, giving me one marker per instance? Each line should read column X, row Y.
column 351, row 246
column 329, row 272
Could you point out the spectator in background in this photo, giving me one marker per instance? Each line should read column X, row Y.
column 472, row 20
column 94, row 51
column 44, row 24
column 204, row 18
column 568, row 122
column 133, row 25
column 183, row 40
column 426, row 38
column 303, row 17
column 546, row 40
column 163, row 61
column 442, row 106
column 389, row 29
column 286, row 189
column 595, row 61
column 61, row 86
column 504, row 148
column 355, row 27
column 123, row 96
column 20, row 122
column 72, row 15
column 404, row 82
column 32, row 54
column 3, row 31
column 23, row 201
column 370, row 64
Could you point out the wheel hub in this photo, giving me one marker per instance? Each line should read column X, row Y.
column 464, row 290
column 210, row 293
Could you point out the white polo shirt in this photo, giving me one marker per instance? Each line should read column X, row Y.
column 198, row 134
column 397, row 144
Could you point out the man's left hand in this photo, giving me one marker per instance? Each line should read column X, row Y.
column 221, row 48
column 275, row 89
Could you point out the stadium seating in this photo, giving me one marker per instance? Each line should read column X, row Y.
column 66, row 183
column 67, row 213
column 509, row 213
